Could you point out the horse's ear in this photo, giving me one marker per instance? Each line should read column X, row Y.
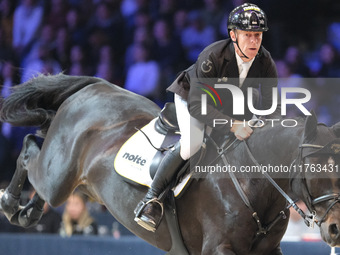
column 336, row 129
column 311, row 124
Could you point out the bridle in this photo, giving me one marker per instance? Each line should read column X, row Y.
column 335, row 197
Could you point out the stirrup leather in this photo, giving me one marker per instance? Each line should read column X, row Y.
column 139, row 209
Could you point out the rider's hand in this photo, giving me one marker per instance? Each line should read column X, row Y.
column 240, row 131
column 257, row 122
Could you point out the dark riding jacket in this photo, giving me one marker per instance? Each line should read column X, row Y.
column 217, row 64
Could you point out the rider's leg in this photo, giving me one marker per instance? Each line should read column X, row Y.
column 192, row 130
column 173, row 161
column 182, row 151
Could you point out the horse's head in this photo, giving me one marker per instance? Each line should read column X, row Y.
column 317, row 182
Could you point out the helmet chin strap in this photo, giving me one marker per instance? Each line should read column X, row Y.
column 236, row 42
column 244, row 55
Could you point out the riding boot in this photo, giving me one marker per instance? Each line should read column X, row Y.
column 150, row 210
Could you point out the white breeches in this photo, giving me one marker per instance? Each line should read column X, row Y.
column 192, row 130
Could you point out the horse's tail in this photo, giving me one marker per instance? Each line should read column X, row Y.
column 35, row 102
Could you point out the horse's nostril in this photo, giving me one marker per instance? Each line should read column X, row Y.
column 333, row 230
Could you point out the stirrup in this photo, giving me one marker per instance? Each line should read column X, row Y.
column 139, row 218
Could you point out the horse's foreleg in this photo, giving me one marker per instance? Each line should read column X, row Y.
column 30, row 214
column 10, row 197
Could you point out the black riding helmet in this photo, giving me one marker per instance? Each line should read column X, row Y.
column 247, row 17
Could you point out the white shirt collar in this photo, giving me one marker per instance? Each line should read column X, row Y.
column 241, row 64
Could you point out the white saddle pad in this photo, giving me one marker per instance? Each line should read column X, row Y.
column 134, row 158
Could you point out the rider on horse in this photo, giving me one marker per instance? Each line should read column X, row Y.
column 240, row 56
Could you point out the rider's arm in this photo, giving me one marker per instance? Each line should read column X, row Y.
column 203, row 75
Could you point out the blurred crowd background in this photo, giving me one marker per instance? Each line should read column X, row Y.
column 142, row 44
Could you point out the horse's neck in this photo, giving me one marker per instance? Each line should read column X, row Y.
column 272, row 151
column 277, row 149
column 273, row 147
column 277, row 145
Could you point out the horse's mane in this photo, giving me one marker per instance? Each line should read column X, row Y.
column 276, row 126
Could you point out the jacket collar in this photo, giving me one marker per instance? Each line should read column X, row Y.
column 231, row 65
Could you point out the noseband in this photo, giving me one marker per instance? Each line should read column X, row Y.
column 335, row 197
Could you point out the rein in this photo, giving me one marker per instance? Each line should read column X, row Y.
column 309, row 220
column 261, row 229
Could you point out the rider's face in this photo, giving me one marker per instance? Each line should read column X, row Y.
column 249, row 42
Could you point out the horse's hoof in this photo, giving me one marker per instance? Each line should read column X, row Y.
column 8, row 203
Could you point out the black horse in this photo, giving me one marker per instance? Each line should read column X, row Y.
column 84, row 122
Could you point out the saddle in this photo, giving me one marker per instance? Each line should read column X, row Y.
column 167, row 120
column 138, row 159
